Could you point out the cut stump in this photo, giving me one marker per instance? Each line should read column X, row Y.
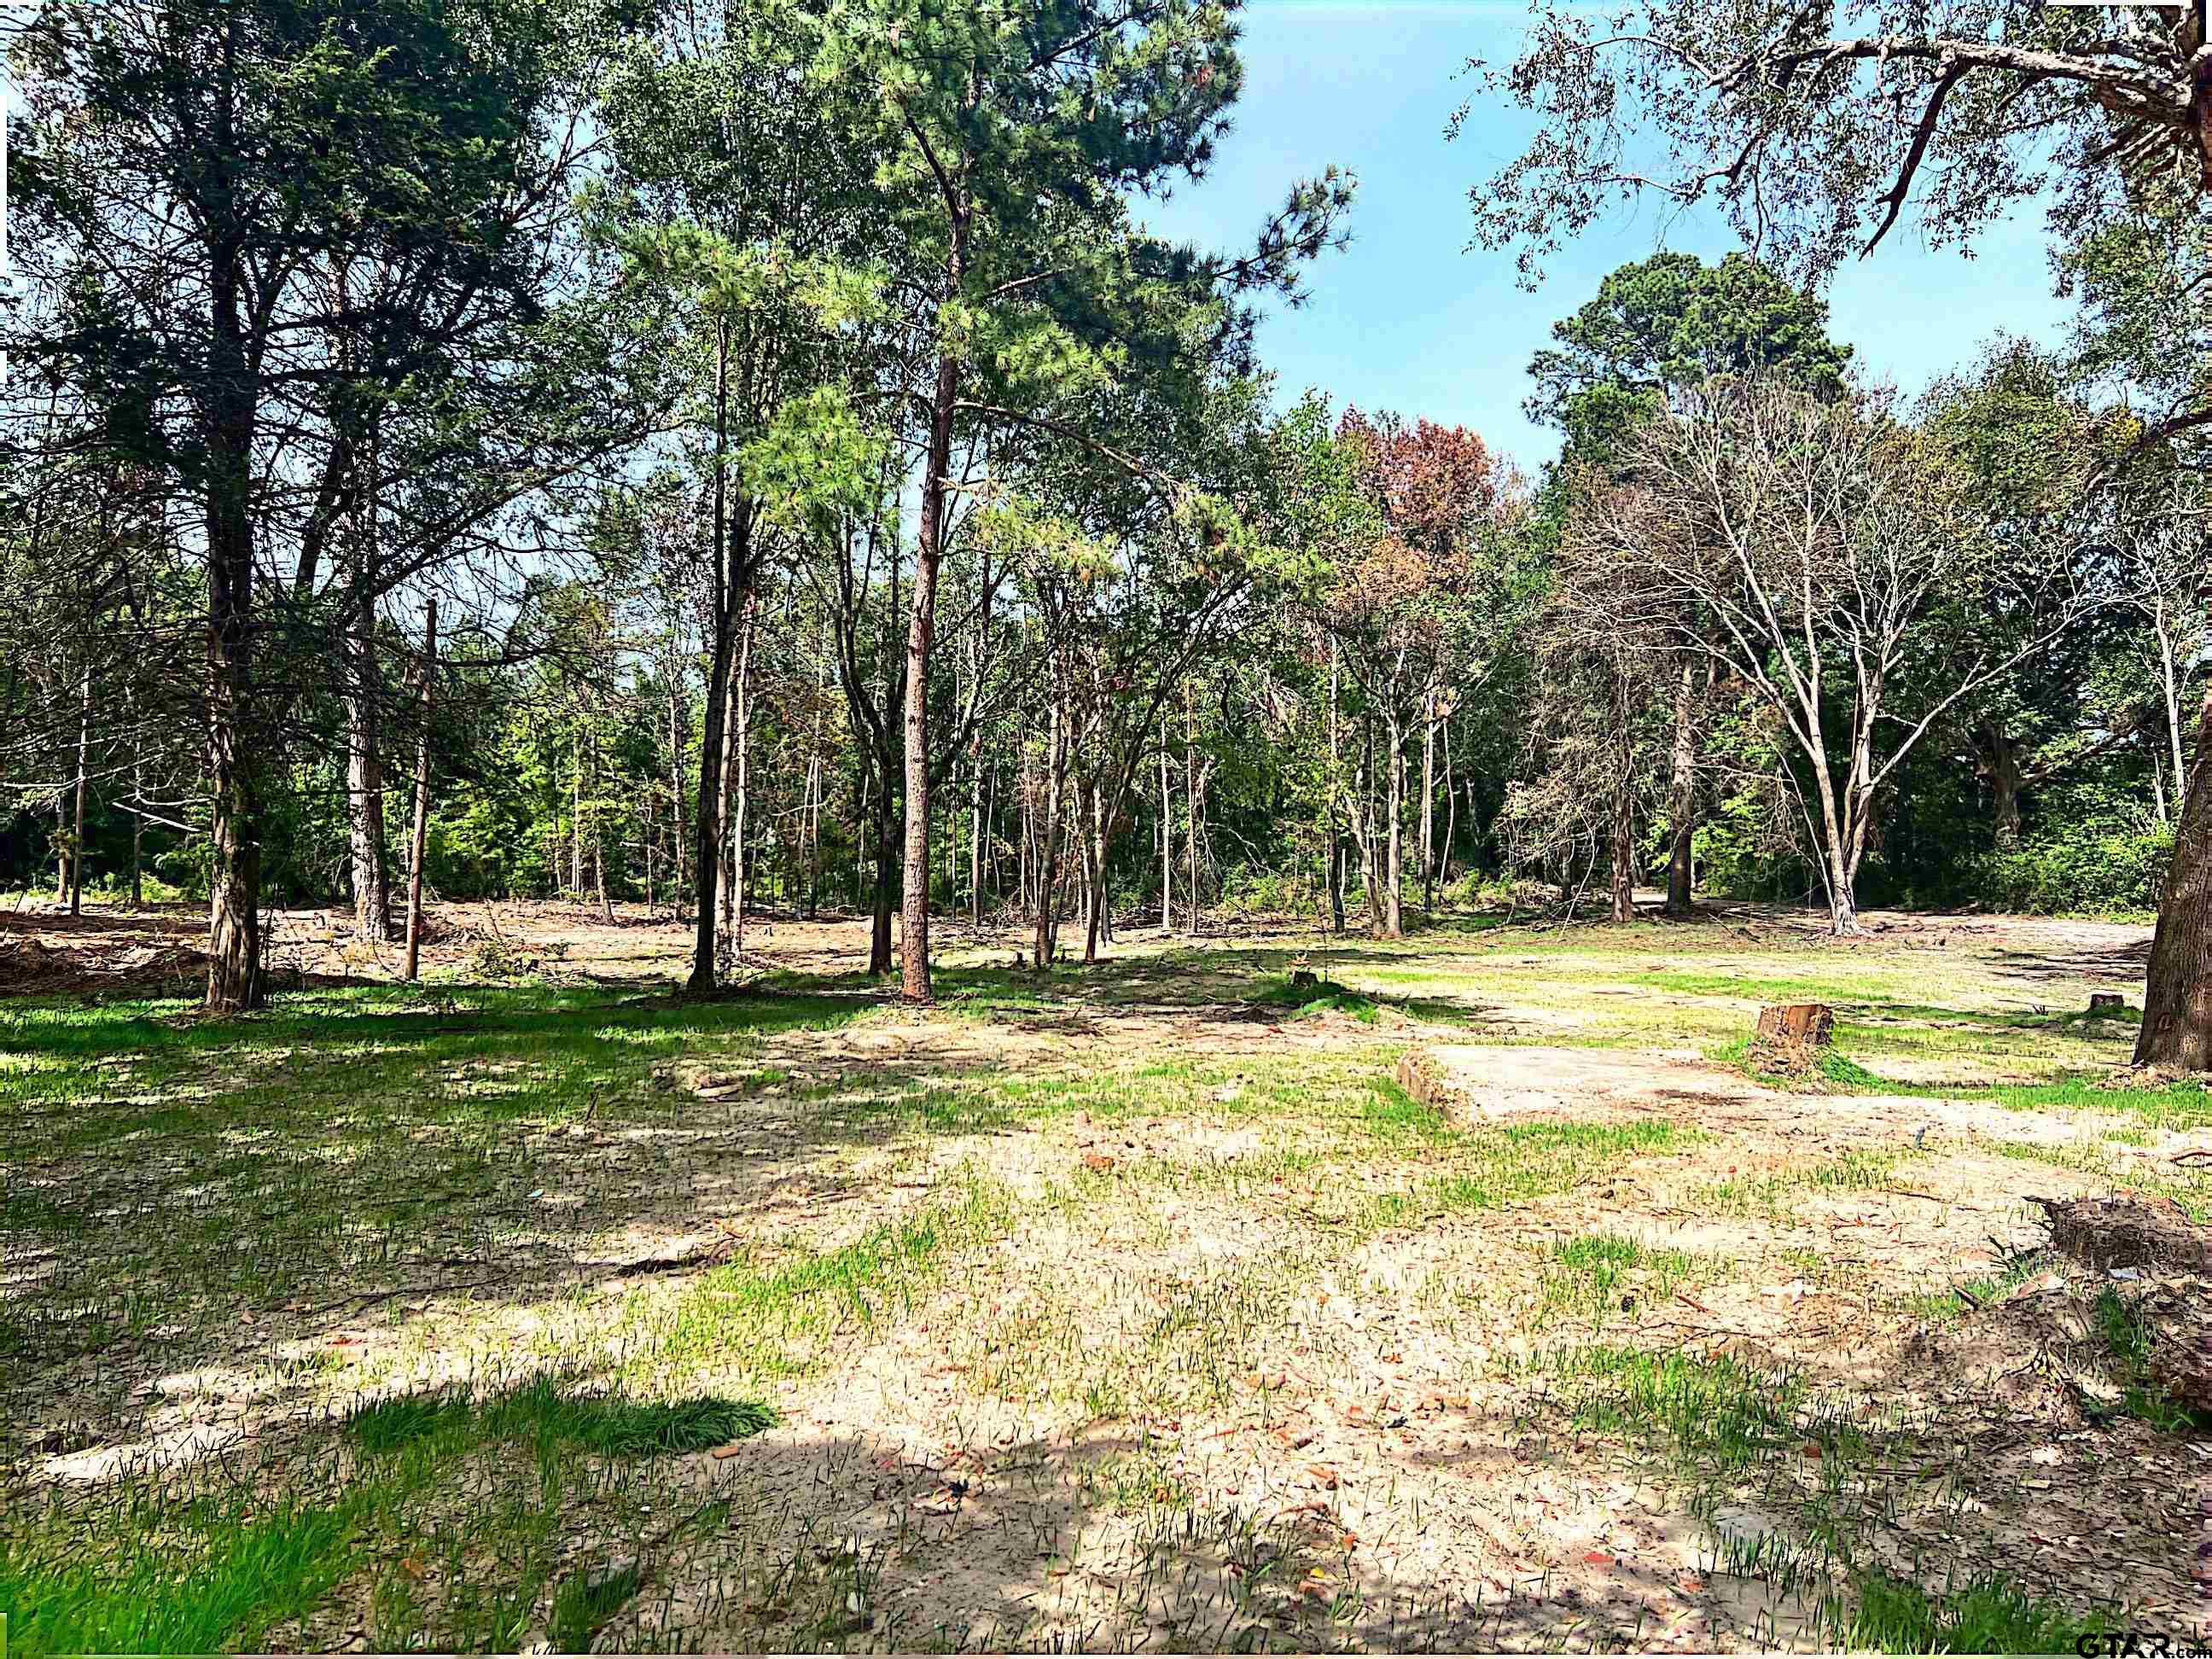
column 2126, row 1232
column 1802, row 1024
column 1791, row 1038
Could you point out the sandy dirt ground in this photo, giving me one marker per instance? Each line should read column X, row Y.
column 1181, row 1395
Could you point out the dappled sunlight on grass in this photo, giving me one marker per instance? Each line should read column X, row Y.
column 480, row 1274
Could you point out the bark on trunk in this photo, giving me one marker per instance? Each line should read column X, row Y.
column 137, row 817
column 1100, row 826
column 2177, row 1026
column 2001, row 765
column 1370, row 875
column 922, row 629
column 418, row 839
column 1429, row 801
column 675, row 822
column 976, row 783
column 1393, row 920
column 1681, row 798
column 1045, row 941
column 731, row 545
column 887, row 828
column 234, row 885
column 84, row 772
column 1623, row 851
column 1190, row 802
column 1167, row 838
column 1336, row 830
column 371, row 876
column 734, row 903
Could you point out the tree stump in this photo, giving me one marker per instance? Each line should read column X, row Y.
column 1798, row 1025
column 1420, row 1076
column 2106, row 1004
column 2128, row 1231
column 1791, row 1038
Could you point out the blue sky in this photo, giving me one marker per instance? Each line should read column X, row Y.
column 1408, row 318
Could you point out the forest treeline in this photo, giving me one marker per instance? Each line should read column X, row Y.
column 758, row 458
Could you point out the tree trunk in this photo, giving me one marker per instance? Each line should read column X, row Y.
column 1043, row 945
column 922, row 629
column 234, row 883
column 1394, row 896
column 137, row 815
column 2001, row 765
column 418, row 839
column 598, row 839
column 1370, row 874
column 1429, row 799
column 976, row 781
column 707, row 857
column 1681, row 797
column 1451, row 812
column 880, row 930
column 676, row 825
column 1624, row 851
column 2177, row 1024
column 1094, row 885
column 1100, row 826
column 1335, row 792
column 1190, row 801
column 576, row 816
column 83, row 770
column 2170, row 686
column 371, row 873
column 734, row 903
column 1167, row 838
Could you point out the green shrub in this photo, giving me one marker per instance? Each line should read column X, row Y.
column 2100, row 866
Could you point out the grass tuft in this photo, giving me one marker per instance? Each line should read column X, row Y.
column 1991, row 1615
column 224, row 1575
column 548, row 1413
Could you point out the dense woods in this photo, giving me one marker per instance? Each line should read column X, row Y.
column 758, row 462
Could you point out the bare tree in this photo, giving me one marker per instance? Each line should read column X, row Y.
column 1830, row 557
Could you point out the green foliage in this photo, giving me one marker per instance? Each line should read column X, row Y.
column 2104, row 866
column 1672, row 321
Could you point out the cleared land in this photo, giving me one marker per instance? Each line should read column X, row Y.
column 1132, row 1305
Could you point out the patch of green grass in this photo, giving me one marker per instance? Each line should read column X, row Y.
column 2130, row 1337
column 195, row 1167
column 1395, row 1115
column 215, row 1575
column 1949, row 1304
column 2178, row 1106
column 2084, row 1158
column 1989, row 1614
column 1322, row 996
column 1719, row 1414
column 548, row 1413
column 1833, row 1073
column 586, row 1602
column 1592, row 1274
column 1858, row 1168
column 778, row 1318
column 1523, row 1161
